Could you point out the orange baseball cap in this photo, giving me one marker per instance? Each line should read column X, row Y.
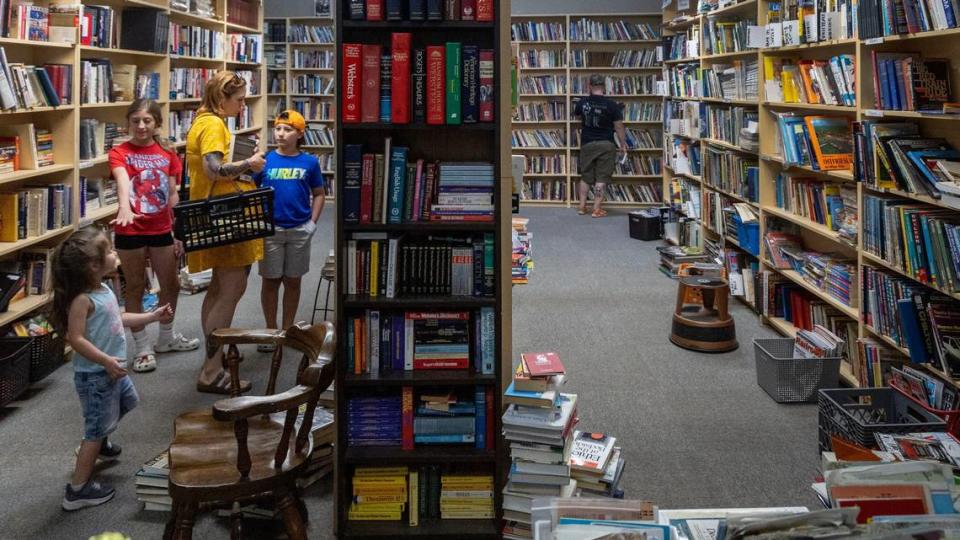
column 291, row 118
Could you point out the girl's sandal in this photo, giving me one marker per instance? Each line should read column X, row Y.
column 600, row 213
column 144, row 363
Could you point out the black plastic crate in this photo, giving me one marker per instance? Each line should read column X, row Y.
column 224, row 219
column 857, row 414
column 46, row 355
column 644, row 224
column 14, row 368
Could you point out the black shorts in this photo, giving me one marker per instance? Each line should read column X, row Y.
column 137, row 241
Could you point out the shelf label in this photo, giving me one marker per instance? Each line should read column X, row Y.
column 873, row 112
column 873, row 41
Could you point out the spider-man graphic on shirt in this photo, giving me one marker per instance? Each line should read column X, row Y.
column 153, row 173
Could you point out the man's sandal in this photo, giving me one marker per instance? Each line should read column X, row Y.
column 222, row 385
column 600, row 213
column 144, row 363
column 582, row 211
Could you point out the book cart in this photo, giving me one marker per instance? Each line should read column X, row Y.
column 306, row 58
column 862, row 193
column 558, row 53
column 476, row 142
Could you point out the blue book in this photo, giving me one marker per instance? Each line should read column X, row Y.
column 477, row 344
column 350, row 339
column 910, row 329
column 470, row 86
column 386, row 86
column 951, row 20
column 488, row 340
column 444, row 438
column 884, row 88
column 396, row 359
column 898, row 79
column 394, row 9
column 352, row 172
column 386, row 334
column 418, row 10
column 434, row 10
column 480, row 428
column 398, row 175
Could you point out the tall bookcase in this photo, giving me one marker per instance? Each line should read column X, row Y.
column 321, row 57
column 551, row 53
column 815, row 236
column 64, row 121
column 477, row 142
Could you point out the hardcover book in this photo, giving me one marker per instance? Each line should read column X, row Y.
column 352, row 53
column 370, row 98
column 386, row 86
column 831, row 141
column 486, row 90
column 352, row 172
column 453, row 81
column 374, row 10
column 419, row 85
column 436, row 77
column 400, row 92
column 470, row 92
column 542, row 364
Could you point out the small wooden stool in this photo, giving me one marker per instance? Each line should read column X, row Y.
column 705, row 326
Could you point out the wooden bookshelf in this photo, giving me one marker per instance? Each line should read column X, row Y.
column 284, row 100
column 487, row 142
column 64, row 121
column 816, row 236
column 568, row 178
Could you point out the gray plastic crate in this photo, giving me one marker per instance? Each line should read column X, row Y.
column 792, row 380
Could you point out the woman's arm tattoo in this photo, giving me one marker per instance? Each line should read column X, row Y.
column 214, row 167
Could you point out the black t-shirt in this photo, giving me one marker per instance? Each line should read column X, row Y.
column 598, row 114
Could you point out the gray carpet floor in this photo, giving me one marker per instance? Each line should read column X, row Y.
column 696, row 430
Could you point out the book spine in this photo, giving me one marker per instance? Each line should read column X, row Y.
column 351, row 82
column 400, row 92
column 470, row 91
column 485, row 97
column 434, row 10
column 480, row 417
column 454, row 78
column 417, row 10
column 374, row 10
column 419, row 86
column 352, row 178
column 366, row 188
column 488, row 340
column 468, row 10
column 408, row 344
column 407, row 426
column 452, row 10
column 386, row 86
column 436, row 66
column 398, row 172
column 394, row 10
column 357, row 11
column 370, row 96
column 489, row 417
column 485, row 10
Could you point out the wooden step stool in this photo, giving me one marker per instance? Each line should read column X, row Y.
column 704, row 326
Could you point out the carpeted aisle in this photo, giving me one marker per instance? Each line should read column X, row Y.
column 695, row 428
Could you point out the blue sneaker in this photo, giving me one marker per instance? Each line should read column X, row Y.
column 91, row 494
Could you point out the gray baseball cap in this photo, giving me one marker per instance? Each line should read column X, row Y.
column 597, row 80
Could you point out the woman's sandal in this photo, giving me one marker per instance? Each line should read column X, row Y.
column 581, row 211
column 144, row 363
column 222, row 385
column 600, row 213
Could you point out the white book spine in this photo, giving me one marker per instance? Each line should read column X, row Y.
column 392, row 267
column 408, row 344
column 352, row 267
column 373, row 362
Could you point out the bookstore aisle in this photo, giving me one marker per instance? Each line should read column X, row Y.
column 695, row 428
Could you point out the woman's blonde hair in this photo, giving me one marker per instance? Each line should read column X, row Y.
column 218, row 88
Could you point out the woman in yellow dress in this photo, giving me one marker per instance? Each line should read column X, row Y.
column 208, row 146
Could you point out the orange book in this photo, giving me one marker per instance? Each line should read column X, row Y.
column 809, row 84
column 832, row 141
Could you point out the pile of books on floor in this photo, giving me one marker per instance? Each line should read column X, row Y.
column 538, row 425
column 152, row 482
column 522, row 262
column 596, row 464
column 673, row 259
column 323, row 431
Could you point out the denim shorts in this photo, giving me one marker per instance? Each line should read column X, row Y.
column 104, row 402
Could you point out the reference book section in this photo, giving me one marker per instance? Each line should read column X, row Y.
column 557, row 55
column 422, row 236
column 816, row 155
column 301, row 75
column 65, row 85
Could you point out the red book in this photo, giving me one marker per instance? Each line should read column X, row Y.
column 374, row 10
column 366, row 189
column 370, row 100
column 406, row 440
column 430, row 179
column 488, row 401
column 882, row 500
column 486, row 85
column 400, row 78
column 86, row 25
column 436, row 85
column 542, row 364
column 417, row 191
column 485, row 10
column 468, row 10
column 352, row 53
column 441, row 363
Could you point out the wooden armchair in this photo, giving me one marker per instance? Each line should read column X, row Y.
column 237, row 453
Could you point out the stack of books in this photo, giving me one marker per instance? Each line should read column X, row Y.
column 378, row 494
column 44, row 147
column 596, row 464
column 323, row 431
column 446, row 418
column 152, row 482
column 817, row 343
column 538, row 424
column 465, row 192
column 466, row 496
column 373, row 421
column 672, row 258
column 522, row 262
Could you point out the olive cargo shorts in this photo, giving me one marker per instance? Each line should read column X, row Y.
column 598, row 159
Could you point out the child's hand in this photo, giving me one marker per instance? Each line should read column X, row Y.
column 115, row 368
column 163, row 314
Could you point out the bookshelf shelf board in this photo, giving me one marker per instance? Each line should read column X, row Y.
column 612, row 41
column 734, row 196
column 817, row 45
column 100, row 213
column 839, row 175
column 541, row 95
column 10, row 247
column 377, row 126
column 88, row 163
column 846, row 375
column 625, row 203
column 23, row 174
column 243, row 28
column 748, row 6
column 734, row 54
column 420, row 25
column 797, row 278
column 24, row 306
column 808, row 224
column 614, row 68
column 887, row 340
column 184, row 101
column 681, row 61
column 912, row 196
column 420, row 454
column 105, row 105
column 577, row 148
column 623, row 96
column 188, row 58
column 242, row 63
column 681, row 25
column 918, row 35
column 728, row 146
column 543, row 201
column 420, row 378
column 429, row 528
column 66, row 107
column 658, row 122
column 910, row 114
column 311, row 95
column 311, row 44
column 527, row 148
column 274, row 42
column 729, row 101
column 110, row 50
column 535, row 122
column 32, row 43
column 811, row 106
column 176, row 15
column 627, row 177
column 271, row 94
column 877, row 261
column 314, row 69
column 783, row 326
column 546, row 175
column 412, row 301
column 539, row 41
column 419, row 226
column 251, row 129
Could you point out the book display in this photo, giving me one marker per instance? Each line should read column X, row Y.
column 558, row 53
column 64, row 91
column 301, row 75
column 424, row 242
column 853, row 181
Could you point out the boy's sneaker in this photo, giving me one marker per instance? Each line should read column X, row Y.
column 178, row 343
column 91, row 494
column 108, row 450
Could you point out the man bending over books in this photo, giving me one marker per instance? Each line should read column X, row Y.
column 600, row 116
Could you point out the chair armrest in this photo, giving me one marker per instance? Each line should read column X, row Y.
column 237, row 336
column 237, row 408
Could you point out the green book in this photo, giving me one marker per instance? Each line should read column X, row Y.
column 454, row 80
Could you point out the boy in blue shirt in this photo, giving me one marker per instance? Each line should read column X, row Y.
column 298, row 201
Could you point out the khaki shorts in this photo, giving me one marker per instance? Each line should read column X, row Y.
column 286, row 253
column 598, row 160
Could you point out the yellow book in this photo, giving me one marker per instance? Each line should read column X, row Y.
column 365, row 498
column 414, row 502
column 377, row 507
column 903, row 232
column 768, row 74
column 373, row 516
column 789, row 88
column 374, row 256
column 468, row 486
column 383, row 481
column 466, row 507
column 9, row 221
column 379, row 471
column 466, row 515
column 465, row 478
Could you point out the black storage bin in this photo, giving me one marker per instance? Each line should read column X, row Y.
column 46, row 355
column 14, row 368
column 856, row 414
column 644, row 224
